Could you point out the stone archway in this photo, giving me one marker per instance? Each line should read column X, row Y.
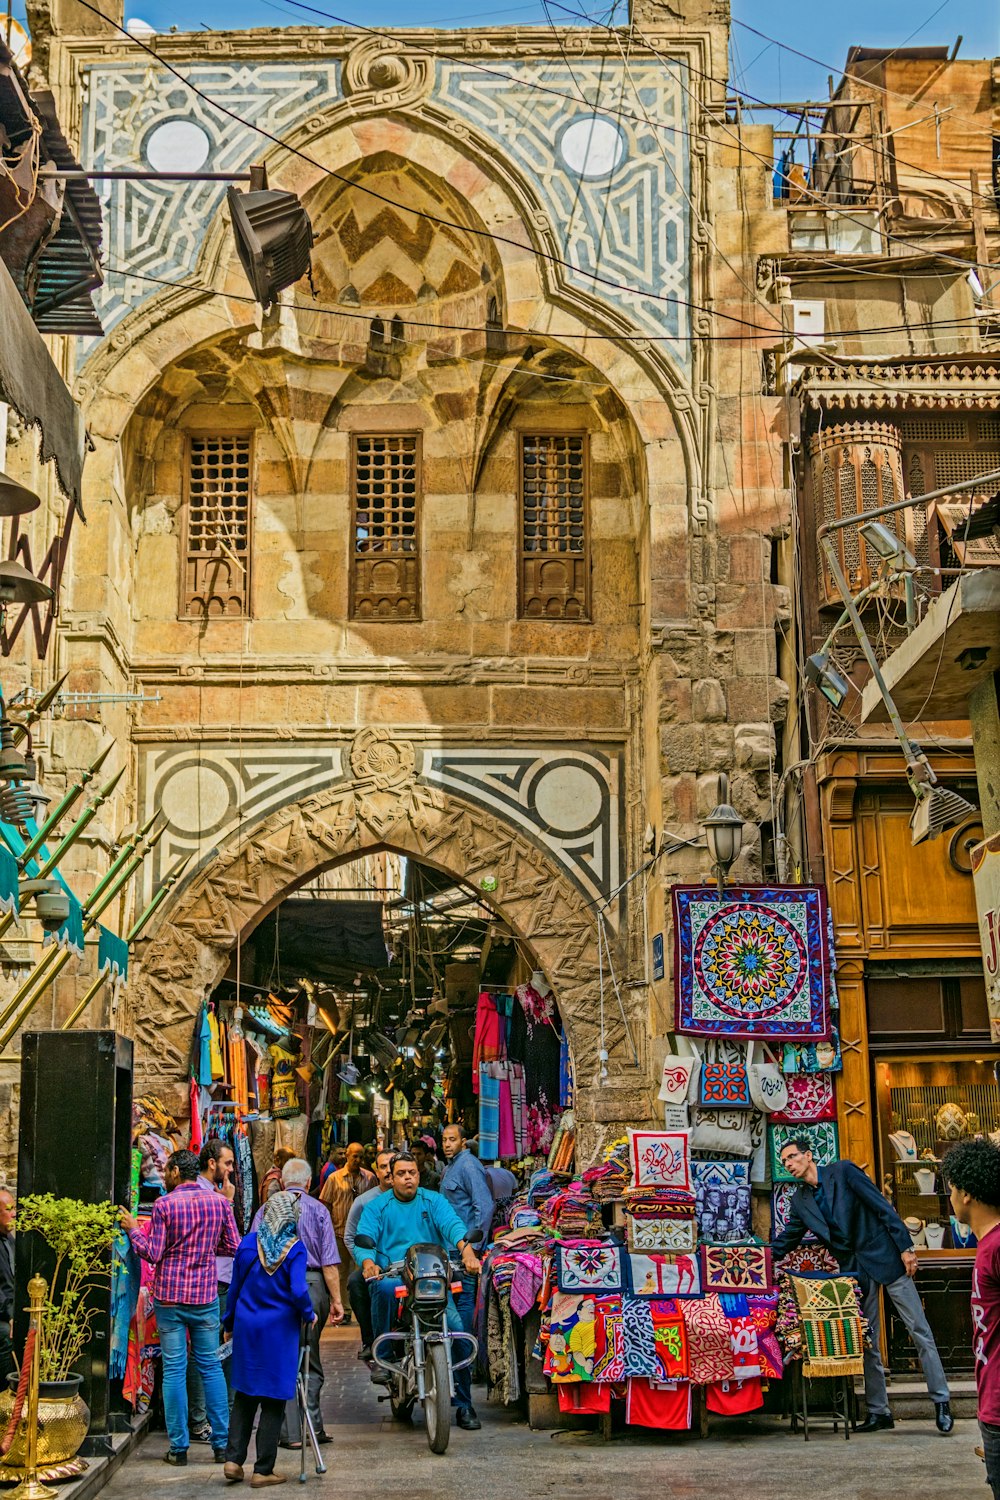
column 386, row 806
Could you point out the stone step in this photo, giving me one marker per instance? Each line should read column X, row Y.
column 909, row 1399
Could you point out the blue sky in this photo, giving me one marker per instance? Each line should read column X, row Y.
column 762, row 68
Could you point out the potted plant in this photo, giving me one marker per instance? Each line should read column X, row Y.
column 79, row 1236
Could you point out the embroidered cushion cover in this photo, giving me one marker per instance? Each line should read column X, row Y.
column 724, row 1085
column 736, row 1268
column 810, row 1097
column 660, row 1158
column 754, row 965
column 589, row 1268
column 662, row 1234
column 664, row 1275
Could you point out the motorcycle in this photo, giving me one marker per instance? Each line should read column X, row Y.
column 426, row 1370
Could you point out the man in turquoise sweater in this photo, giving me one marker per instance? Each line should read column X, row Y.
column 410, row 1215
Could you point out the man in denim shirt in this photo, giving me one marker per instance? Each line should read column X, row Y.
column 467, row 1189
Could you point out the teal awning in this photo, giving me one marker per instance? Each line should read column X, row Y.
column 112, row 954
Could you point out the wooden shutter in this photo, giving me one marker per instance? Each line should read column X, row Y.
column 216, row 580
column 555, row 526
column 385, row 500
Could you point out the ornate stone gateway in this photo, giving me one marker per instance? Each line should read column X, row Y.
column 380, row 799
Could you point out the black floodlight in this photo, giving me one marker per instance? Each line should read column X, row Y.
column 273, row 237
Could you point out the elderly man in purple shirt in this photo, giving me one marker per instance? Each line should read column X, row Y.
column 323, row 1280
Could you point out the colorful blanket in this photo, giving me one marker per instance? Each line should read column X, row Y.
column 709, row 1340
column 832, row 1329
column 638, row 1355
column 736, row 1268
column 669, row 1341
column 609, row 1353
column 756, row 964
column 825, row 1145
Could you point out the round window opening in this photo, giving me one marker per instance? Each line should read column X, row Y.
column 177, row 146
column 592, row 147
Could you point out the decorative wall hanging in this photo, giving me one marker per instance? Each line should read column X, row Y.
column 609, row 1352
column 832, row 1331
column 637, row 1333
column 659, row 1158
column 810, row 1097
column 753, row 965
column 724, row 1085
column 664, row 1275
column 675, row 1080
column 663, row 1235
column 589, row 1268
column 722, row 1195
column 722, row 1132
column 736, row 1268
column 572, row 1338
column 825, row 1145
column 710, row 1342
column 669, row 1341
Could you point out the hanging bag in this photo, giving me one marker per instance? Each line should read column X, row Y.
column 714, row 1131
column 726, row 1085
column 768, row 1088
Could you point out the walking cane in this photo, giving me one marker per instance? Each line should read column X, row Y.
column 305, row 1420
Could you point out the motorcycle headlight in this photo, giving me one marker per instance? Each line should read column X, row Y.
column 430, row 1289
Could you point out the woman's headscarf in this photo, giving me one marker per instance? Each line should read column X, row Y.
column 278, row 1230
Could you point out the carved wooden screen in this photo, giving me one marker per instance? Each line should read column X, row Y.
column 555, row 526
column 856, row 467
column 216, row 581
column 385, row 497
column 941, row 450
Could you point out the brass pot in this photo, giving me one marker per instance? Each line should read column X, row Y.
column 63, row 1423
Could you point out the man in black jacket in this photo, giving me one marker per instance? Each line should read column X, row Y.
column 847, row 1213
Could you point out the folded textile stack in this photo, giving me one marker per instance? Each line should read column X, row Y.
column 571, row 1212
column 659, row 1203
column 609, row 1181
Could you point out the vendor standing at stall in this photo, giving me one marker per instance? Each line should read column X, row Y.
column 466, row 1187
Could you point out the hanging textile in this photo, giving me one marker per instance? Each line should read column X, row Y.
column 734, row 1398
column 572, row 1339
column 710, row 1344
column 652, row 1404
column 143, row 1347
column 125, row 1281
column 216, row 1068
column 284, row 1081
column 832, row 1329
column 489, row 1115
column 534, row 1043
column 565, row 1072
column 754, row 965
column 488, row 1045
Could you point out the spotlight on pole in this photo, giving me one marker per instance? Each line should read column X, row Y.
column 831, row 683
column 273, row 235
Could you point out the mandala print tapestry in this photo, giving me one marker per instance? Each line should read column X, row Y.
column 736, row 1268
column 589, row 1268
column 722, row 1195
column 832, row 1330
column 662, row 1234
column 660, row 1158
column 810, row 1097
column 664, row 1275
column 753, row 965
column 637, row 1336
column 825, row 1145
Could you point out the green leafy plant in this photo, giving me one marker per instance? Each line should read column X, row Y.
column 80, row 1235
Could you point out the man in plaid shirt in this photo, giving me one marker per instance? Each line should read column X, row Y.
column 187, row 1230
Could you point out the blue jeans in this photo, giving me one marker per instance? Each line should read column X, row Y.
column 384, row 1317
column 175, row 1320
column 197, row 1414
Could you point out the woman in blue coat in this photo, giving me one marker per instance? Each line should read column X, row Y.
column 267, row 1304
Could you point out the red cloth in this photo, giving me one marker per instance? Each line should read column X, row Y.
column 197, row 1140
column 585, row 1397
column 669, row 1341
column 488, row 1045
column 667, row 1407
column 733, row 1398
column 986, row 1325
column 188, row 1228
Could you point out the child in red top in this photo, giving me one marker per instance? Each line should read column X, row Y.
column 972, row 1170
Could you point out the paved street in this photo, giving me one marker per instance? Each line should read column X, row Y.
column 507, row 1460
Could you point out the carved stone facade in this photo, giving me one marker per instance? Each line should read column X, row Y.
column 518, row 231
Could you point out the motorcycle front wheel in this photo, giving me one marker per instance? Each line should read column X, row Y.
column 437, row 1402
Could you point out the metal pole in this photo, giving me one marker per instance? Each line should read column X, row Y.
column 86, row 817
column 68, row 1025
column 64, row 804
column 888, row 510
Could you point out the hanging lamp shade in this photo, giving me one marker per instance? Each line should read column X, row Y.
column 18, row 586
column 16, row 499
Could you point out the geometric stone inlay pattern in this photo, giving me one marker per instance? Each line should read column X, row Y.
column 620, row 212
column 565, row 800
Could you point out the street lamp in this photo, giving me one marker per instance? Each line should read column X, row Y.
column 831, row 683
column 723, row 834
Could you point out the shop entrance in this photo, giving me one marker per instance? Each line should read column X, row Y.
column 380, row 1001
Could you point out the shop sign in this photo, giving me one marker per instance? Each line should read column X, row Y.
column 985, row 858
column 658, row 969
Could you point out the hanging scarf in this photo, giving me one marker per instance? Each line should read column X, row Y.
column 277, row 1230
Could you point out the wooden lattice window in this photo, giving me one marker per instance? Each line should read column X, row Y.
column 555, row 526
column 216, row 582
column 385, row 496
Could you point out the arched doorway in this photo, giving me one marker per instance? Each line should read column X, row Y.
column 386, row 806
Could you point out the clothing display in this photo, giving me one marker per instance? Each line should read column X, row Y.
column 754, row 965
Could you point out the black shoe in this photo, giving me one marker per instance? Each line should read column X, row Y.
column 381, row 1377
column 177, row 1457
column 466, row 1418
column 943, row 1417
column 218, row 1455
column 345, row 1320
column 365, row 1353
column 323, row 1437
column 876, row 1422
